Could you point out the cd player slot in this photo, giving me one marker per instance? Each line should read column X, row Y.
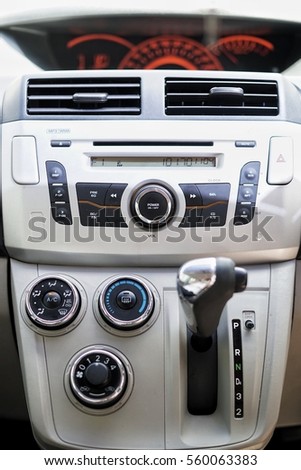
column 100, row 143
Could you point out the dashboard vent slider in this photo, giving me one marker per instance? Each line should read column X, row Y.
column 90, row 97
column 221, row 95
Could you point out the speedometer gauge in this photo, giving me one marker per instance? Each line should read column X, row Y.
column 240, row 49
column 165, row 52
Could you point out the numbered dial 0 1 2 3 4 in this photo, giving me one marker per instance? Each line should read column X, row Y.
column 98, row 378
column 52, row 302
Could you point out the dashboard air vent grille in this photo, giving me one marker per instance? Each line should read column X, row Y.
column 84, row 96
column 205, row 97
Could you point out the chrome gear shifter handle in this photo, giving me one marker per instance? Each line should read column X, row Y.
column 204, row 287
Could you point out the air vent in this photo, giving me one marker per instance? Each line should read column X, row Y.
column 201, row 97
column 84, row 96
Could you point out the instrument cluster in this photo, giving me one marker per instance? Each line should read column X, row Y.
column 160, row 42
column 103, row 51
column 257, row 50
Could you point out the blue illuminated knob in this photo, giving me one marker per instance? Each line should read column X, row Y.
column 126, row 303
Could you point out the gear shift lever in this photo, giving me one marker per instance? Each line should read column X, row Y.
column 205, row 286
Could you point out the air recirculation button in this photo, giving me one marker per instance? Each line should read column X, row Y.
column 52, row 302
column 126, row 303
column 98, row 377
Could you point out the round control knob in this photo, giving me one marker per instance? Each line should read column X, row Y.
column 249, row 324
column 126, row 303
column 52, row 302
column 98, row 378
column 153, row 205
column 98, row 374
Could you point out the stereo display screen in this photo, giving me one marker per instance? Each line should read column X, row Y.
column 155, row 162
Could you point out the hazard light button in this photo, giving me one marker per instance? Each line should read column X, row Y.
column 281, row 161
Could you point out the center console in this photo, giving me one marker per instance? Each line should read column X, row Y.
column 111, row 182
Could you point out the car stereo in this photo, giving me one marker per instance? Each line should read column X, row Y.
column 111, row 181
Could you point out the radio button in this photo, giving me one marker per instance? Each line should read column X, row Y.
column 104, row 217
column 56, row 172
column 244, row 214
column 152, row 206
column 59, row 193
column 215, row 216
column 92, row 193
column 62, row 214
column 114, row 194
column 214, row 194
column 192, row 195
column 246, row 193
column 92, row 216
column 250, row 173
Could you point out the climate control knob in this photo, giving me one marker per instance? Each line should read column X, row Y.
column 52, row 302
column 126, row 303
column 99, row 377
column 153, row 205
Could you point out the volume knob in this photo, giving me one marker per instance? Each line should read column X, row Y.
column 153, row 205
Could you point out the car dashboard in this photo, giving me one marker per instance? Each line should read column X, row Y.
column 151, row 230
